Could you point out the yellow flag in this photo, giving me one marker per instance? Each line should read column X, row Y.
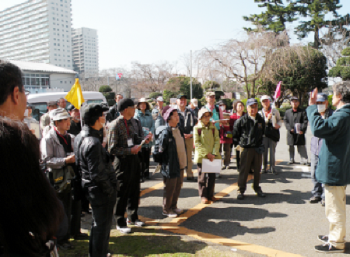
column 75, row 95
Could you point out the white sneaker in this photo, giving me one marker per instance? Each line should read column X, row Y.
column 124, row 230
column 137, row 223
column 170, row 214
column 178, row 211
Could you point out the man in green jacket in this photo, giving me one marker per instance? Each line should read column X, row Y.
column 334, row 163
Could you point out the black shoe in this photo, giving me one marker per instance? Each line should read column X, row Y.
column 291, row 161
column 193, row 179
column 240, row 196
column 305, row 163
column 260, row 194
column 81, row 236
column 323, row 239
column 315, row 199
column 327, row 248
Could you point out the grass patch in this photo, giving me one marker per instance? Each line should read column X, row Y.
column 144, row 242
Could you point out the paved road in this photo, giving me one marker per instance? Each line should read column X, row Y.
column 282, row 224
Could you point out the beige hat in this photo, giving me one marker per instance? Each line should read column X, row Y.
column 265, row 97
column 59, row 114
column 209, row 94
column 203, row 111
column 143, row 100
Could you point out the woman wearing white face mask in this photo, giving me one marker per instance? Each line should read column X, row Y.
column 316, row 143
column 223, row 106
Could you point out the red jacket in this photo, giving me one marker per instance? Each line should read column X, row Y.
column 223, row 139
column 233, row 119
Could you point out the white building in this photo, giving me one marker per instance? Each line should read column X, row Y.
column 85, row 51
column 37, row 31
column 42, row 77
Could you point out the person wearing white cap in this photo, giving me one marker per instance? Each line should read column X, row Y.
column 194, row 106
column 57, row 151
column 271, row 136
column 157, row 113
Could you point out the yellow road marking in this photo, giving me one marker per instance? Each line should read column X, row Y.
column 157, row 186
column 173, row 226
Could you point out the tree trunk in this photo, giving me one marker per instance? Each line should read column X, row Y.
column 316, row 38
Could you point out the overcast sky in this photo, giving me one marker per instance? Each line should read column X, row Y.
column 159, row 30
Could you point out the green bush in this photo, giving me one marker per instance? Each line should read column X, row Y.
column 335, row 71
column 346, row 51
column 111, row 102
column 345, row 73
column 167, row 94
column 283, row 111
column 343, row 61
column 105, row 88
column 109, row 95
column 154, row 95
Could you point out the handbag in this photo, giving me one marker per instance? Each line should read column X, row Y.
column 60, row 179
column 272, row 133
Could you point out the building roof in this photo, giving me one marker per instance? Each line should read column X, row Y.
column 40, row 67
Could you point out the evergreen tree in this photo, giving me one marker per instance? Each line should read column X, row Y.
column 342, row 69
column 316, row 11
column 274, row 18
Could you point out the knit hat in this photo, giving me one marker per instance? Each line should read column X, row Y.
column 125, row 103
column 167, row 111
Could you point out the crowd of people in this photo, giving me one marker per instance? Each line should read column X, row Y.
column 97, row 157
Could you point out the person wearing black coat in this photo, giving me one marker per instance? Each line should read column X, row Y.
column 296, row 122
column 248, row 133
column 98, row 176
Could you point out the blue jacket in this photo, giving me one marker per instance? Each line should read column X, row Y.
column 147, row 124
column 334, row 161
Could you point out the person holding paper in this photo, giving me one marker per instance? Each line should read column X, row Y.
column 124, row 145
column 207, row 144
column 272, row 134
column 144, row 115
column 296, row 122
column 248, row 132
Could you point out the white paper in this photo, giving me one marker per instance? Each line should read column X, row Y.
column 273, row 120
column 36, row 128
column 297, row 128
column 211, row 167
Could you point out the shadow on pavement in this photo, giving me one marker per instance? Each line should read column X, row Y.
column 286, row 196
column 225, row 222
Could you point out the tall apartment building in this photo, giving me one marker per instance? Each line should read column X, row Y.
column 85, row 51
column 37, row 31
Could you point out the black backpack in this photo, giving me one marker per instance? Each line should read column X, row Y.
column 158, row 156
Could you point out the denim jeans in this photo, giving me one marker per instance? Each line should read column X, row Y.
column 318, row 190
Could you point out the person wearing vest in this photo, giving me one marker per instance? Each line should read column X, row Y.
column 273, row 121
column 173, row 161
column 124, row 145
column 57, row 151
column 186, row 124
column 248, row 132
column 295, row 120
column 316, row 143
column 207, row 143
column 98, row 176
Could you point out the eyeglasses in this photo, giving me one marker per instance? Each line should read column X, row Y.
column 206, row 116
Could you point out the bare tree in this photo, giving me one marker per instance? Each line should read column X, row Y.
column 150, row 78
column 245, row 60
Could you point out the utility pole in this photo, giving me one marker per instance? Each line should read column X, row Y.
column 191, row 74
